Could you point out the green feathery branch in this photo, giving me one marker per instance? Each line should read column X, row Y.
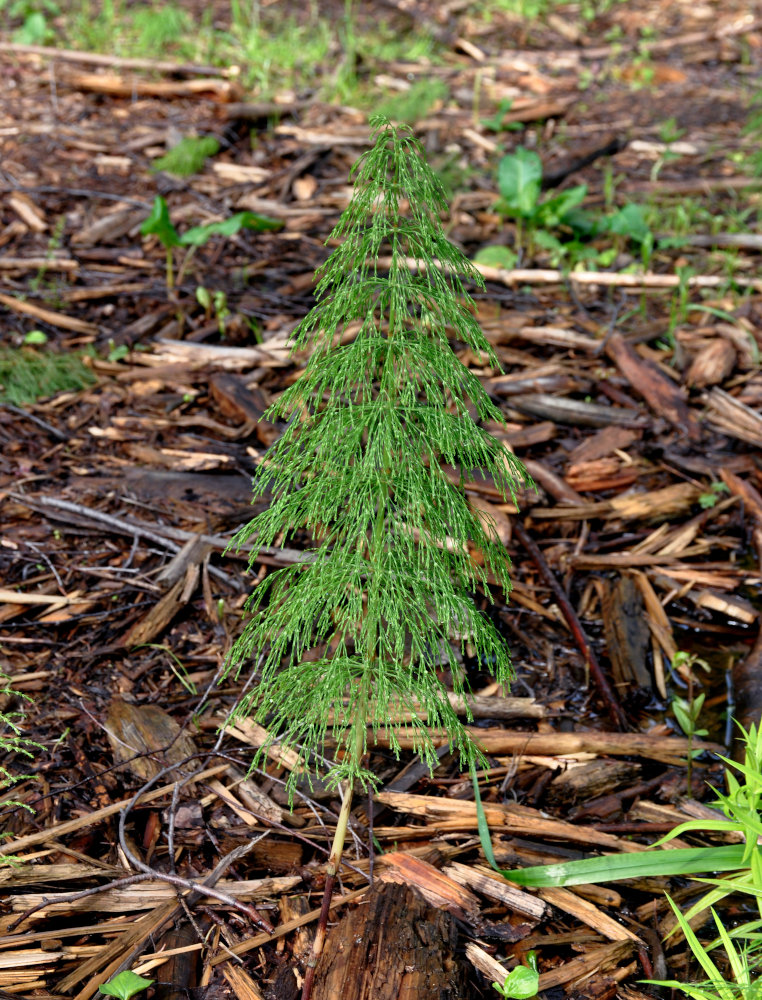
column 354, row 634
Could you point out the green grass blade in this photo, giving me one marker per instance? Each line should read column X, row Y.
column 611, row 867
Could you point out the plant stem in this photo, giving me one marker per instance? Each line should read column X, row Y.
column 337, row 849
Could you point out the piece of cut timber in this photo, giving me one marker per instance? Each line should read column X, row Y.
column 626, row 629
column 592, row 779
column 392, row 947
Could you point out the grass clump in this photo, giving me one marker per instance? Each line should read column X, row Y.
column 27, row 375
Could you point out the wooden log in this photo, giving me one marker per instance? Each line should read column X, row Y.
column 396, row 947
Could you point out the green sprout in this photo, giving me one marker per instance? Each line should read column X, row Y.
column 521, row 983
column 125, row 985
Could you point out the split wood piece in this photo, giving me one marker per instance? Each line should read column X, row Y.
column 602, row 444
column 586, row 912
column 99, row 967
column 161, row 614
column 662, row 638
column 593, row 960
column 281, row 931
column 602, row 474
column 489, row 967
column 591, row 780
column 488, row 883
column 244, row 403
column 552, row 378
column 133, row 87
column 651, row 745
column 730, row 416
column 149, row 731
column 576, row 412
column 290, row 907
column 103, row 292
column 36, row 874
column 38, row 264
column 15, row 602
column 243, row 985
column 626, row 631
column 143, row 896
column 711, row 364
column 502, row 818
column 59, row 830
column 254, row 735
column 396, row 947
column 55, row 319
column 610, row 279
column 437, row 887
column 98, row 59
column 274, row 351
column 663, row 396
column 478, row 707
column 662, row 503
column 560, row 337
column 614, row 709
column 107, row 229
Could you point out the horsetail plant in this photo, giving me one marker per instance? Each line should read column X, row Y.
column 349, row 640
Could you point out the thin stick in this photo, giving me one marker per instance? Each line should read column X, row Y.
column 616, row 714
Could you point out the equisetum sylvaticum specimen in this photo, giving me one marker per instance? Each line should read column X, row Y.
column 373, row 467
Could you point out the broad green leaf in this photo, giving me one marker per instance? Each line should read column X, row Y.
column 519, row 176
column 630, row 221
column 199, row 235
column 159, row 224
column 521, row 983
column 125, row 985
column 553, row 211
column 35, row 337
column 497, row 257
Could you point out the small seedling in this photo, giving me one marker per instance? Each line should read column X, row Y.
column 214, row 304
column 160, row 225
column 125, row 985
column 521, row 983
column 519, row 180
column 495, row 123
column 687, row 712
column 35, row 338
column 711, row 497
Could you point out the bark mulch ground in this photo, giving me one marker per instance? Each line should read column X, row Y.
column 632, row 398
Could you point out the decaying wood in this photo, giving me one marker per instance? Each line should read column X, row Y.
column 393, row 947
column 627, row 635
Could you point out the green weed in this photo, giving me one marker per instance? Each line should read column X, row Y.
column 522, row 982
column 27, row 374
column 188, row 156
column 416, row 102
column 160, row 225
